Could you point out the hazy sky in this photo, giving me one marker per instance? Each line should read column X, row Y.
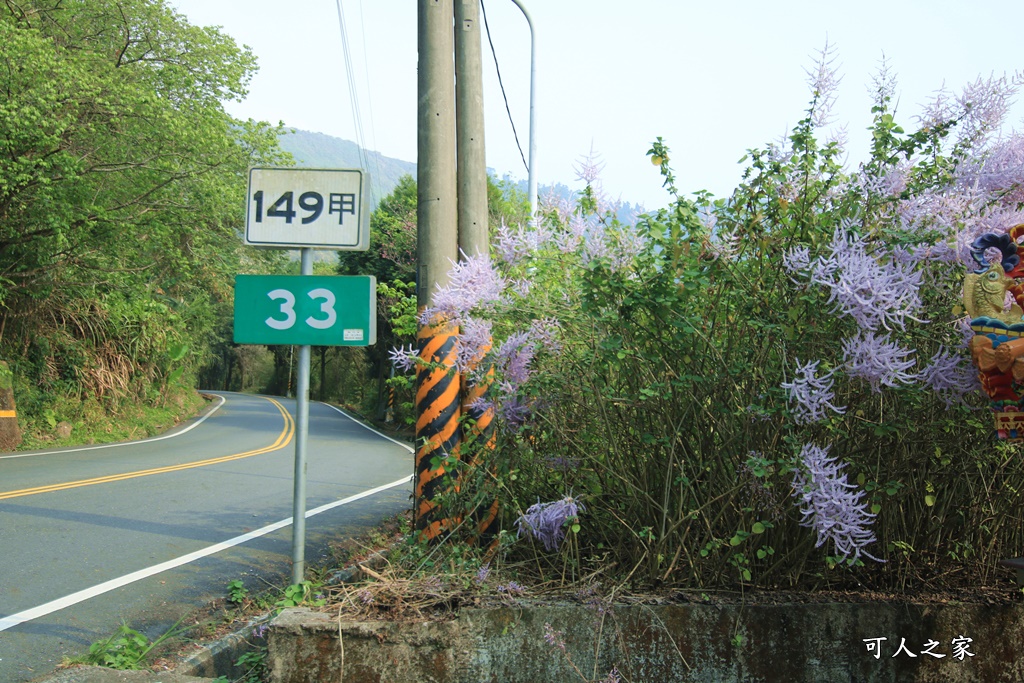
column 712, row 78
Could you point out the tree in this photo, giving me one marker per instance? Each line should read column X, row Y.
column 121, row 188
column 392, row 252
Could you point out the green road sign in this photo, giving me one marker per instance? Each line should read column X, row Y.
column 314, row 310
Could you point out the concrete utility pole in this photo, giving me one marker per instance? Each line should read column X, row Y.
column 437, row 391
column 477, row 438
column 472, row 161
column 436, row 214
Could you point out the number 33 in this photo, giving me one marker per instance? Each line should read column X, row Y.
column 288, row 309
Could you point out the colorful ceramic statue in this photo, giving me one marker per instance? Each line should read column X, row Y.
column 998, row 344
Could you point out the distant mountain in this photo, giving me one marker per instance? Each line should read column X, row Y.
column 317, row 150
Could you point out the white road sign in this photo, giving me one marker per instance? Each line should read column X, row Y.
column 306, row 207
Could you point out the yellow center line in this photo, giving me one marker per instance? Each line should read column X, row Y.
column 283, row 439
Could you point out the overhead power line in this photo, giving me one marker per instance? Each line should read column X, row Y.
column 502, row 84
column 369, row 100
column 353, row 92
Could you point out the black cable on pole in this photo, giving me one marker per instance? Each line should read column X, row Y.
column 498, row 70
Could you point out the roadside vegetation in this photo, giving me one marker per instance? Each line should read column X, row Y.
column 121, row 187
column 769, row 390
column 89, row 422
column 766, row 390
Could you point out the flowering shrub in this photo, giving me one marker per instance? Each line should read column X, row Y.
column 771, row 342
column 831, row 505
column 547, row 521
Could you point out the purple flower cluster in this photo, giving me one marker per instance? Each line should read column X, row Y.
column 1000, row 171
column 824, row 82
column 980, row 108
column 725, row 246
column 935, row 253
column 890, row 184
column 514, row 245
column 512, row 361
column 596, row 244
column 521, row 287
column 796, row 260
column 546, row 332
column 983, row 105
column 570, row 239
column 588, row 168
column 546, row 521
column 832, row 506
column 874, row 292
column 472, row 283
column 630, row 243
column 950, row 376
column 402, row 358
column 474, row 340
column 809, row 395
column 878, row 361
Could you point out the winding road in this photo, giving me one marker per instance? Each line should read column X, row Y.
column 143, row 532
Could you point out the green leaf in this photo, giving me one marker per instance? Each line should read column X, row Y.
column 758, row 528
column 177, row 351
column 929, row 500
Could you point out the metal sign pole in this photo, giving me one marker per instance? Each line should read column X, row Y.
column 301, row 432
column 306, row 209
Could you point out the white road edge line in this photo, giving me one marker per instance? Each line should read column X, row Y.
column 83, row 595
column 385, row 436
column 125, row 443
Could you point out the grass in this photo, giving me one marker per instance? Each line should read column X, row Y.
column 91, row 423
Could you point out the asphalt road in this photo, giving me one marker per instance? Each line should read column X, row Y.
column 144, row 532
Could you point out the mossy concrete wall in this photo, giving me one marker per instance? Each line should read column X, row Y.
column 679, row 643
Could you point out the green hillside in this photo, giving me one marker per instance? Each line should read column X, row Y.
column 318, row 150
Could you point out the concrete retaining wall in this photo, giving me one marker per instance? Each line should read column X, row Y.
column 684, row 643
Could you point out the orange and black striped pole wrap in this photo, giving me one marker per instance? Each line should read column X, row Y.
column 480, row 439
column 437, row 422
